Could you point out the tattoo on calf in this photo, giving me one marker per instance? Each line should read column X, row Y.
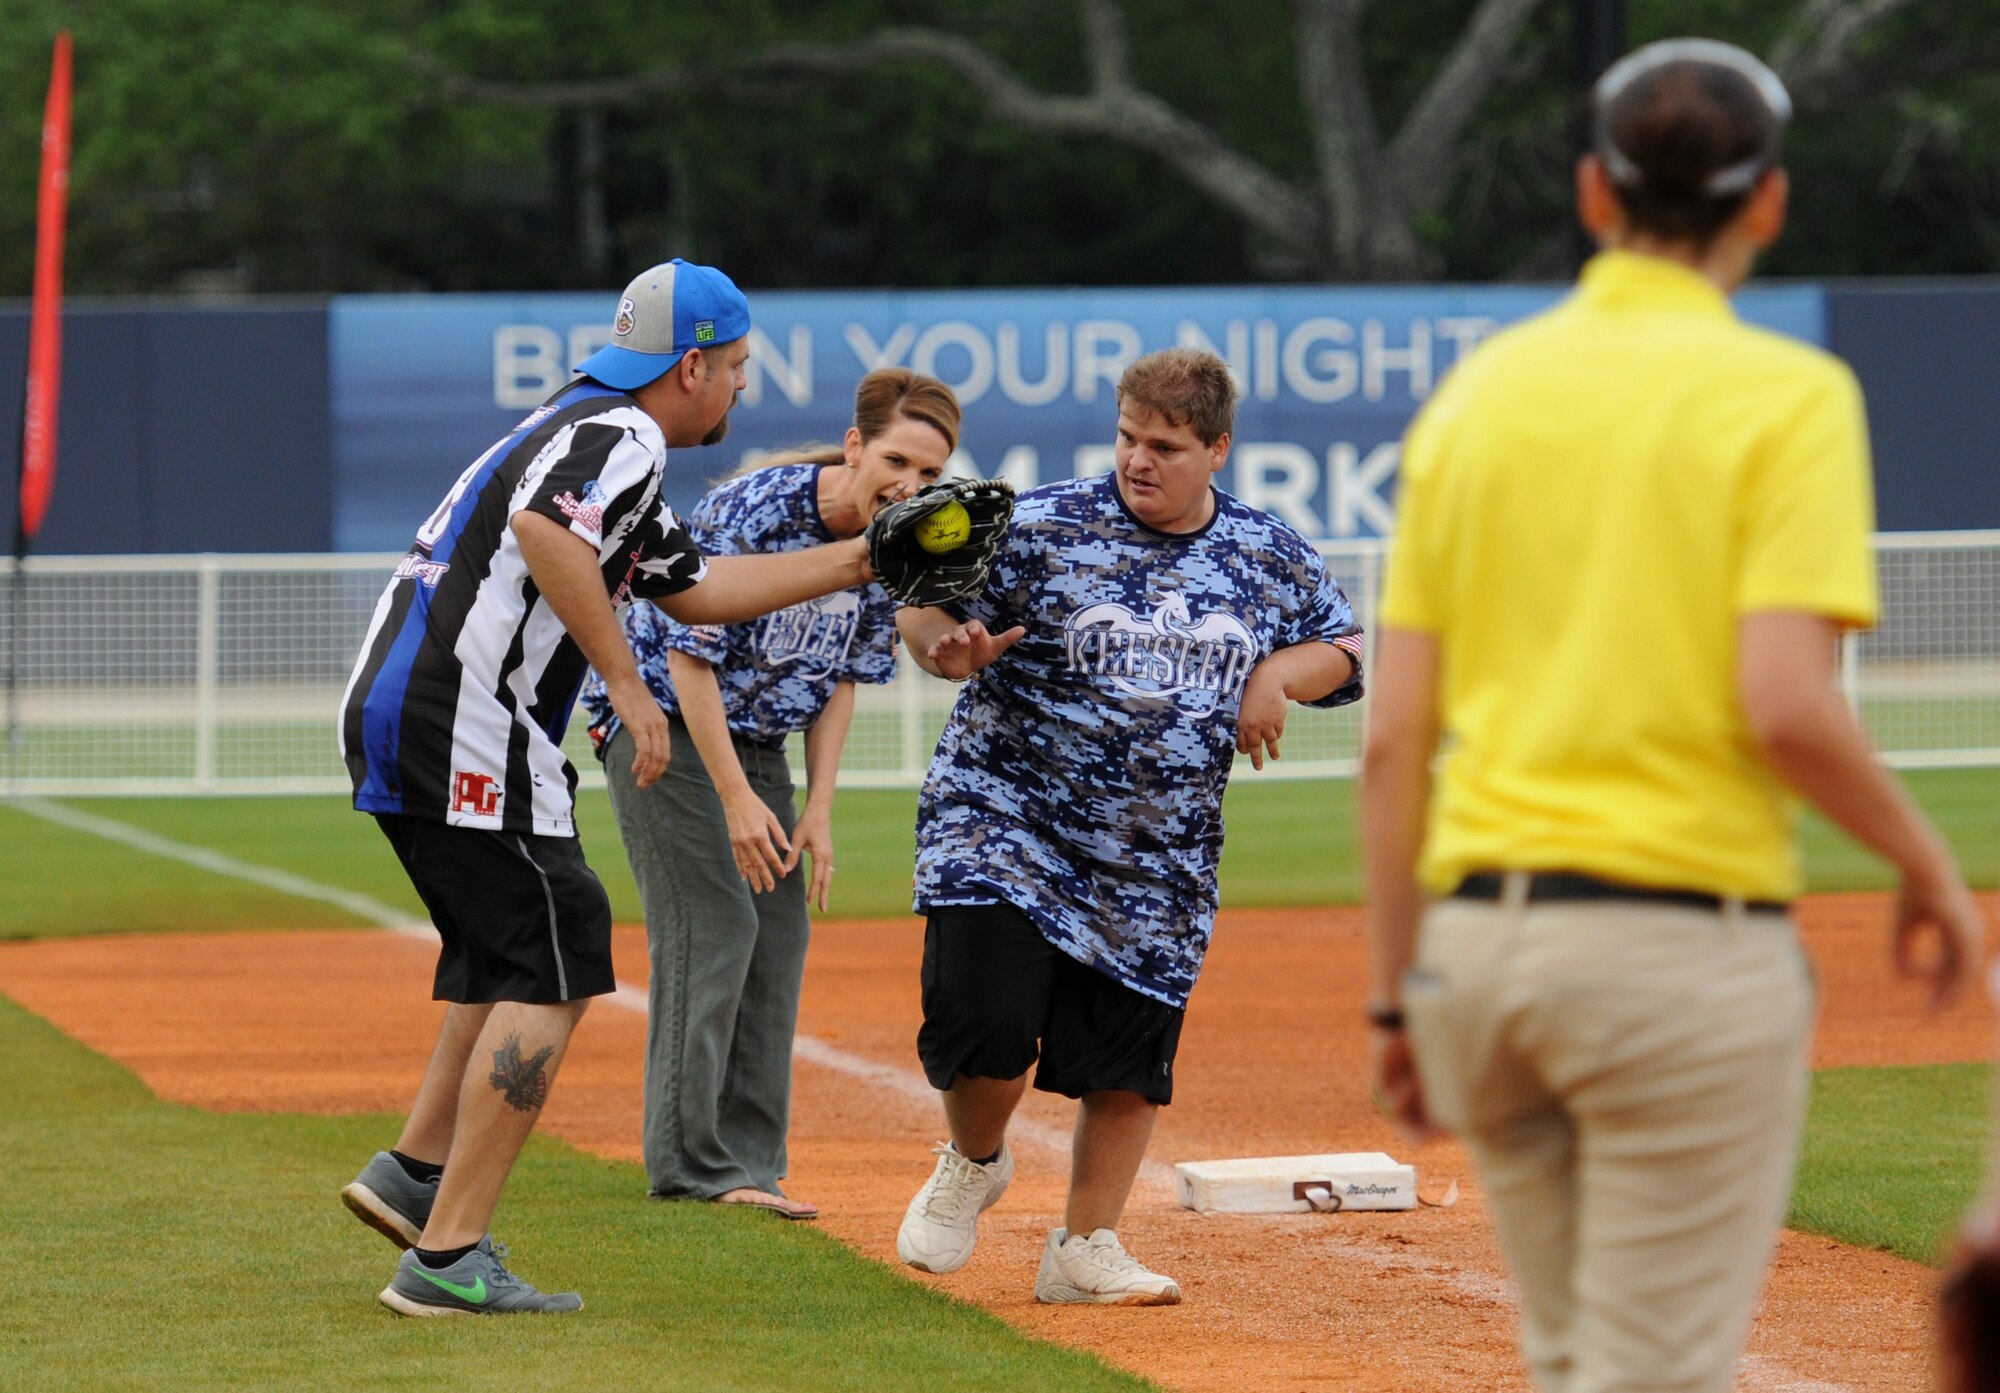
column 522, row 1081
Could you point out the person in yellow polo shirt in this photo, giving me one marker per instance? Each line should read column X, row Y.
column 1629, row 534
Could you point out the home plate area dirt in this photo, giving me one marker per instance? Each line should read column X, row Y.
column 1270, row 1064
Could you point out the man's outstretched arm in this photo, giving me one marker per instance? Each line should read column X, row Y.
column 740, row 588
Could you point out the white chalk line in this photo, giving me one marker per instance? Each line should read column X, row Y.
column 1762, row 1372
column 814, row 1051
column 360, row 906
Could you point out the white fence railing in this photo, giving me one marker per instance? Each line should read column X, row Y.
column 221, row 674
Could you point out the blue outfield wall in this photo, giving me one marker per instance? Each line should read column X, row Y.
column 338, row 425
column 1928, row 355
column 1330, row 378
column 181, row 429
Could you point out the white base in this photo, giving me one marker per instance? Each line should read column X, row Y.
column 1295, row 1184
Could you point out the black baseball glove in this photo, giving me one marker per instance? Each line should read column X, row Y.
column 913, row 576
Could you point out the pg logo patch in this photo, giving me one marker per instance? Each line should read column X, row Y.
column 627, row 318
column 475, row 793
column 704, row 331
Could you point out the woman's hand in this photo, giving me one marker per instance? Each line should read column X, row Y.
column 813, row 836
column 757, row 839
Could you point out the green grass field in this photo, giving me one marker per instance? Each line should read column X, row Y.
column 1892, row 1157
column 276, row 750
column 1290, row 843
column 152, row 1245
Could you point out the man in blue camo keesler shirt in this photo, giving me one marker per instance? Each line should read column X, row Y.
column 1137, row 632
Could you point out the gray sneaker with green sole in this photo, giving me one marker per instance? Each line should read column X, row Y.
column 475, row 1285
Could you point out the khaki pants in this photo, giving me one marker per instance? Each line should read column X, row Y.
column 1630, row 1078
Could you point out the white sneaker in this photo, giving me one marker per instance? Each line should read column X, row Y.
column 1098, row 1270
column 942, row 1223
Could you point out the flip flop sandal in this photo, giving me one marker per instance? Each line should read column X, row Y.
column 773, row 1204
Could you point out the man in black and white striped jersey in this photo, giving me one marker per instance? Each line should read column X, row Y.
column 452, row 727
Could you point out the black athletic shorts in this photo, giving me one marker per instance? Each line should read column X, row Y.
column 994, row 987
column 523, row 918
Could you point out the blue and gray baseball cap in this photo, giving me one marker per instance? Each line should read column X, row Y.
column 663, row 313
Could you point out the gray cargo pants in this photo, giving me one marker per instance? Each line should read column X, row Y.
column 727, row 966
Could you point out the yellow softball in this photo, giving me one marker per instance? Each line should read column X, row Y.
column 948, row 529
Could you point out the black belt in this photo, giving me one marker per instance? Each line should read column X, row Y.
column 1544, row 886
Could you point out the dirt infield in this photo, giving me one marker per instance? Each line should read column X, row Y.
column 1400, row 1303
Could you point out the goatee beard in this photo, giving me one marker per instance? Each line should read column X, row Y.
column 721, row 429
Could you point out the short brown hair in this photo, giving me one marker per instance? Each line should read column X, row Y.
column 1188, row 386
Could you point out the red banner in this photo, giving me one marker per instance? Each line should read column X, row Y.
column 38, row 425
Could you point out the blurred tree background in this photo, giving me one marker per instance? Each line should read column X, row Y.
column 351, row 145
